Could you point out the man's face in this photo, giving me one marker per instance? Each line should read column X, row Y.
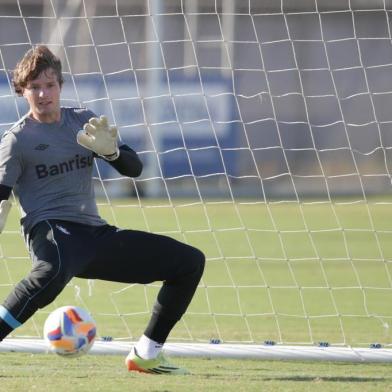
column 43, row 96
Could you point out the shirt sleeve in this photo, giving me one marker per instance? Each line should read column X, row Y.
column 10, row 160
column 128, row 163
column 86, row 115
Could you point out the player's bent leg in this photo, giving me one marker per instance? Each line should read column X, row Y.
column 172, row 302
column 141, row 257
column 39, row 288
column 175, row 295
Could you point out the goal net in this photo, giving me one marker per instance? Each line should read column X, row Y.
column 264, row 128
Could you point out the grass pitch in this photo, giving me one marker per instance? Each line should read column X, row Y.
column 287, row 272
column 21, row 372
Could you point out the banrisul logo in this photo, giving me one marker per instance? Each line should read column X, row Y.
column 79, row 162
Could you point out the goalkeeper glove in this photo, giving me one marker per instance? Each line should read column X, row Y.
column 100, row 137
column 5, row 206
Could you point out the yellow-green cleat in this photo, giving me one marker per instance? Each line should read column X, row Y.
column 158, row 365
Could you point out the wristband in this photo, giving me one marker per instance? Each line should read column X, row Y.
column 112, row 157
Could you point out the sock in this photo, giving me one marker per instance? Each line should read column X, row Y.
column 147, row 348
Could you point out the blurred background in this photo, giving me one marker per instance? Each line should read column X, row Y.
column 227, row 98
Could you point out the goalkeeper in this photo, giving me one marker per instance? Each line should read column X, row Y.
column 48, row 155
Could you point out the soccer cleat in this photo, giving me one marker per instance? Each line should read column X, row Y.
column 158, row 365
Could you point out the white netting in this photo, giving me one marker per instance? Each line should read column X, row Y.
column 265, row 132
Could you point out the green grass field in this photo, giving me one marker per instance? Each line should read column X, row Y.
column 288, row 272
column 21, row 372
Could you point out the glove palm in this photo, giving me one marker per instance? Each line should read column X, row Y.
column 100, row 137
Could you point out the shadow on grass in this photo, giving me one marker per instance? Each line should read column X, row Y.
column 328, row 379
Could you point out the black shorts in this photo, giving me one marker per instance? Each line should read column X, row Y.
column 106, row 252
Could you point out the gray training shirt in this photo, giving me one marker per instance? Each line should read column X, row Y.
column 52, row 172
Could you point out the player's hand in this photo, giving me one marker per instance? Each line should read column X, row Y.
column 5, row 206
column 98, row 136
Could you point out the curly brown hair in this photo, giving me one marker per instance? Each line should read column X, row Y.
column 35, row 61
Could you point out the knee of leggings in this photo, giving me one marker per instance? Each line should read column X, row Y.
column 196, row 261
column 47, row 287
column 47, row 295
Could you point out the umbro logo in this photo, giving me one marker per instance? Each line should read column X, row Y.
column 41, row 147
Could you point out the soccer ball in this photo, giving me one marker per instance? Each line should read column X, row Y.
column 70, row 331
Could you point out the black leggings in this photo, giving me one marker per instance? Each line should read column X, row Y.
column 61, row 250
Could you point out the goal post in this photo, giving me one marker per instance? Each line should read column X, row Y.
column 265, row 132
column 226, row 350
